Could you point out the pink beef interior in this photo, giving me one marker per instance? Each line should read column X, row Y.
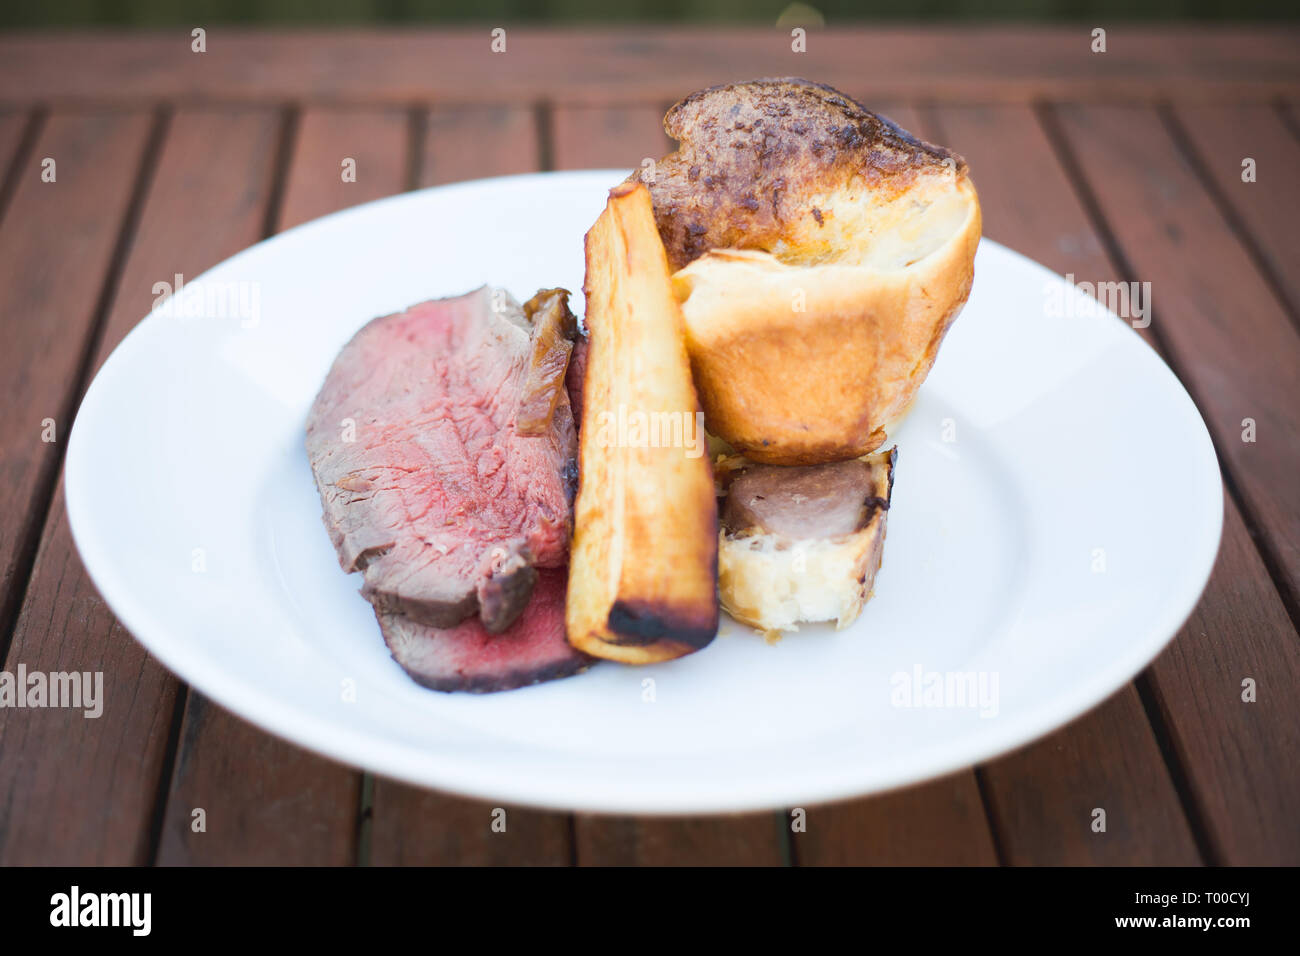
column 426, row 487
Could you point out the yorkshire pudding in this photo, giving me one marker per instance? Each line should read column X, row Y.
column 820, row 253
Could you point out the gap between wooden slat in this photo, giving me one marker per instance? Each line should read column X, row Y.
column 22, row 150
column 279, row 168
column 1201, row 167
column 1046, row 115
column 1286, row 111
column 1264, row 544
column 365, row 817
column 1197, row 817
column 996, row 826
column 289, row 118
column 1093, row 735
column 11, row 603
column 544, row 118
column 416, row 130
column 158, row 815
column 34, row 524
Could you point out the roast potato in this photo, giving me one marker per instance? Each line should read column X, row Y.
column 643, row 565
column 820, row 254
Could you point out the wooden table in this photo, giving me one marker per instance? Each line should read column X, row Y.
column 1123, row 165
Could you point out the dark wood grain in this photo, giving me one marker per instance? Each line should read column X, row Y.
column 756, row 839
column 1224, row 330
column 1224, row 136
column 964, row 62
column 942, row 823
column 56, row 248
column 267, row 801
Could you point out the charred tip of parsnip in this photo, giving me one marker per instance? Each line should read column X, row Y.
column 643, row 567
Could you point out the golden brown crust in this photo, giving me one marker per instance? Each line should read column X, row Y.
column 753, row 158
column 821, row 254
column 643, row 565
column 826, row 383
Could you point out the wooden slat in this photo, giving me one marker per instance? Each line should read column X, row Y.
column 96, row 781
column 966, row 61
column 68, row 792
column 473, row 142
column 266, row 800
column 1224, row 136
column 56, row 245
column 375, row 138
column 938, row 823
column 1239, row 758
column 942, row 823
column 617, row 137
column 1039, row 214
column 1043, row 796
column 77, row 791
column 1227, row 334
column 747, row 840
column 411, row 826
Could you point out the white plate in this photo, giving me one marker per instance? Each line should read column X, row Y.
column 1051, row 548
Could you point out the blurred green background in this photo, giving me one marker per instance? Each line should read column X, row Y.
column 143, row 13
